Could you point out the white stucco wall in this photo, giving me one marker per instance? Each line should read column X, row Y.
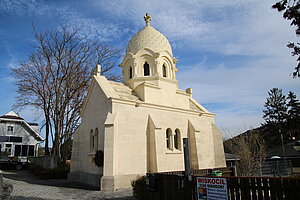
column 132, row 119
column 126, row 129
column 20, row 129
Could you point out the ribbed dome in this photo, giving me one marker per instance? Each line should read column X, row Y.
column 150, row 38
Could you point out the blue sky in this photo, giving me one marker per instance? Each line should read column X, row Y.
column 230, row 52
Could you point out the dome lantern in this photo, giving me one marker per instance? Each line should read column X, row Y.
column 148, row 54
column 149, row 38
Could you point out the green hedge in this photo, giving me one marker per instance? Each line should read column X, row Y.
column 139, row 188
column 60, row 172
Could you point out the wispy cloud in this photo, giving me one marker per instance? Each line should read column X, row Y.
column 65, row 14
column 241, row 92
column 23, row 7
column 93, row 27
column 246, row 84
column 230, row 52
column 228, row 27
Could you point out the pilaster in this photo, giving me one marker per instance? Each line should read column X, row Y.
column 110, row 153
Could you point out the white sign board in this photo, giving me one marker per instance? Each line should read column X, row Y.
column 212, row 188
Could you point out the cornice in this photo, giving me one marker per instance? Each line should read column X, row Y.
column 160, row 107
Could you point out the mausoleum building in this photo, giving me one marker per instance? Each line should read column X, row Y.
column 140, row 124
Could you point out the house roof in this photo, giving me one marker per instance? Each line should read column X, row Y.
column 13, row 117
column 229, row 156
column 289, row 151
column 123, row 91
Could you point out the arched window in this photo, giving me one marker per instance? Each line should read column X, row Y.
column 92, row 140
column 96, row 140
column 146, row 69
column 177, row 139
column 130, row 72
column 164, row 69
column 168, row 138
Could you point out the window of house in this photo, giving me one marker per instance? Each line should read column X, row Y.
column 8, row 148
column 146, row 69
column 130, row 72
column 10, row 130
column 177, row 139
column 4, row 138
column 168, row 138
column 31, row 150
column 15, row 139
column 164, row 69
column 10, row 139
column 24, row 151
column 17, row 150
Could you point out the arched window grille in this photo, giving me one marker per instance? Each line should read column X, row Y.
column 164, row 69
column 168, row 138
column 130, row 72
column 92, row 140
column 146, row 69
column 96, row 140
column 177, row 139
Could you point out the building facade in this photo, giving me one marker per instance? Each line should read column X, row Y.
column 17, row 137
column 140, row 124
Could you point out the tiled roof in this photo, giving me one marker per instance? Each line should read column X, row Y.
column 278, row 151
column 123, row 91
column 230, row 156
column 11, row 117
column 150, row 38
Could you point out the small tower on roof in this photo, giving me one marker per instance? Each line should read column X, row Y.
column 148, row 57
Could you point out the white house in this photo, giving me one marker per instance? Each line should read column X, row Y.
column 17, row 137
column 140, row 124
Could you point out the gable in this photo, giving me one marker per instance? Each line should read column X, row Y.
column 20, row 129
column 193, row 106
column 99, row 88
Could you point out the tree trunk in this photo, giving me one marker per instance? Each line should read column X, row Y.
column 47, row 152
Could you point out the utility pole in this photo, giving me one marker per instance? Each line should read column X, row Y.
column 283, row 150
column 186, row 152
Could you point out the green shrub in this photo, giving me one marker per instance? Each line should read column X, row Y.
column 139, row 188
column 60, row 172
column 4, row 153
column 99, row 158
column 29, row 159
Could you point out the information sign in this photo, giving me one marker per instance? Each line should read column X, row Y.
column 212, row 188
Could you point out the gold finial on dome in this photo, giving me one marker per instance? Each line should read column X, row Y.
column 147, row 18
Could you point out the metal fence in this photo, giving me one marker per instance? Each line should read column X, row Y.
column 167, row 186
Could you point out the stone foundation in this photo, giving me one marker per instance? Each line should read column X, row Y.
column 85, row 178
column 110, row 183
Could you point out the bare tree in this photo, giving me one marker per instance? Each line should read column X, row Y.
column 251, row 149
column 56, row 76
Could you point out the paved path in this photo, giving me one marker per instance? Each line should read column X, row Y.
column 28, row 187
